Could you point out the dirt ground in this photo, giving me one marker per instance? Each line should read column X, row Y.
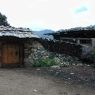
column 45, row 81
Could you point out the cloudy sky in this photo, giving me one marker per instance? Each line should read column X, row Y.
column 51, row 14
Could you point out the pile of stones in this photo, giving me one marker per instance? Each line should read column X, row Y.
column 60, row 59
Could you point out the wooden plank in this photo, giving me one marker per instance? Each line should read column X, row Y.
column 10, row 54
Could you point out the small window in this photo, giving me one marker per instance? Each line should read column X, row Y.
column 85, row 41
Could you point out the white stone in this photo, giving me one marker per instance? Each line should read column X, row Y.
column 55, row 67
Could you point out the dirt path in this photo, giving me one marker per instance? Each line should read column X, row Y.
column 25, row 81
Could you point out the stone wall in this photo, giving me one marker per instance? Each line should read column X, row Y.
column 30, row 48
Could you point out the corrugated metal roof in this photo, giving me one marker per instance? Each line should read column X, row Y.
column 16, row 32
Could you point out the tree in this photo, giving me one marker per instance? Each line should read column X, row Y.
column 3, row 20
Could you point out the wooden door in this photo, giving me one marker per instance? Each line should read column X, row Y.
column 10, row 54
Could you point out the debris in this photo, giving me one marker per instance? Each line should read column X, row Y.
column 62, row 60
column 38, row 69
column 55, row 67
column 35, row 90
column 69, row 78
column 72, row 73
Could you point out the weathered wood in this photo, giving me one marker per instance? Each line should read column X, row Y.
column 10, row 54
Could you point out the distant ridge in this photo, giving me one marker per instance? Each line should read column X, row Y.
column 42, row 33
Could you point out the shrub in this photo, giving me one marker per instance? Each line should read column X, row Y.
column 44, row 62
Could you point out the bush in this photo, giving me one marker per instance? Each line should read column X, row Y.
column 47, row 62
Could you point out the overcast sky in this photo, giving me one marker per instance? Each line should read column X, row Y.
column 51, row 14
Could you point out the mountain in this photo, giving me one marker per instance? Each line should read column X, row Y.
column 42, row 33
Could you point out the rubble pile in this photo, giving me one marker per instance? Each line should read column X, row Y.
column 59, row 59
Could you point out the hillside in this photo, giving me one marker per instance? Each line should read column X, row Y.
column 42, row 33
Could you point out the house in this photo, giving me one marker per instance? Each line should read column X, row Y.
column 83, row 36
column 14, row 45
